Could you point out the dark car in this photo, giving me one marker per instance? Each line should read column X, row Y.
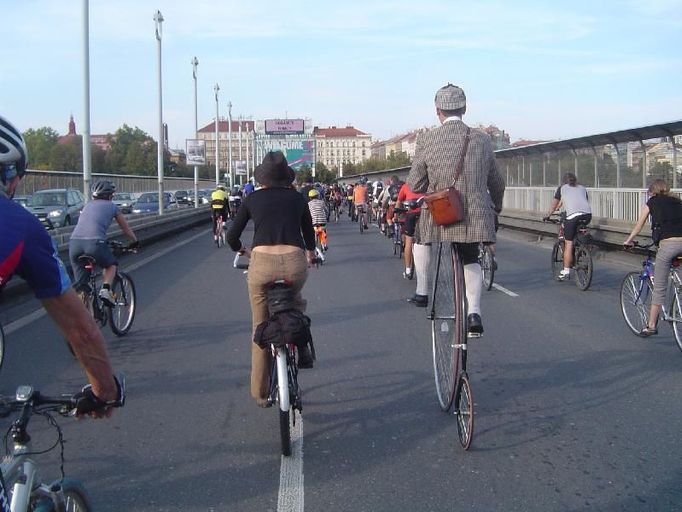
column 182, row 197
column 149, row 202
column 124, row 201
column 57, row 207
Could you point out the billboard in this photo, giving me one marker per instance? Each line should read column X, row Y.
column 240, row 167
column 196, row 152
column 284, row 126
column 298, row 152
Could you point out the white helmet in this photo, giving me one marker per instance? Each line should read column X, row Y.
column 13, row 153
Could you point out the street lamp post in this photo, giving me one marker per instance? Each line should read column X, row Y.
column 216, row 88
column 229, row 144
column 158, row 19
column 87, row 158
column 195, row 63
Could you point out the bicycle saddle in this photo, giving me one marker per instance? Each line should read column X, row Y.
column 86, row 259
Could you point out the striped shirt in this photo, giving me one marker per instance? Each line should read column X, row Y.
column 317, row 211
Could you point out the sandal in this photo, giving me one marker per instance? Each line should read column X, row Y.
column 648, row 331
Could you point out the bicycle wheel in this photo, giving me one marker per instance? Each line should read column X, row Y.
column 123, row 313
column 284, row 400
column 676, row 318
column 75, row 497
column 557, row 259
column 583, row 267
column 2, row 345
column 445, row 324
column 464, row 411
column 635, row 301
column 487, row 266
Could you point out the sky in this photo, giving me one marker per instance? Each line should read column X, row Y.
column 540, row 70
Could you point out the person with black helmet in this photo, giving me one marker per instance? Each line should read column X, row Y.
column 90, row 237
column 27, row 250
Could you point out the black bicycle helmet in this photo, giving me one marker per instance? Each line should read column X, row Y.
column 13, row 153
column 103, row 189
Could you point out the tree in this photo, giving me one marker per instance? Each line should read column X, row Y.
column 131, row 151
column 68, row 155
column 39, row 144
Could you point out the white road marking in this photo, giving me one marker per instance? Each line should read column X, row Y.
column 291, row 490
column 505, row 290
column 39, row 313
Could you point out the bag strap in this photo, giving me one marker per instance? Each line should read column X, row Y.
column 460, row 164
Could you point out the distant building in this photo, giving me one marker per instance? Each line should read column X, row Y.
column 241, row 144
column 403, row 143
column 336, row 146
column 177, row 156
column 499, row 137
column 98, row 140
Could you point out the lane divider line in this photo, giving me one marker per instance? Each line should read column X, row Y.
column 505, row 290
column 291, row 490
column 39, row 313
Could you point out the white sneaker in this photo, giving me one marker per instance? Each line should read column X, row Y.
column 563, row 275
column 107, row 297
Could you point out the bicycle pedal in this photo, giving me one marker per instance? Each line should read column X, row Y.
column 474, row 335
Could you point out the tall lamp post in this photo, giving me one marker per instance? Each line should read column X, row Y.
column 87, row 159
column 195, row 63
column 216, row 88
column 229, row 138
column 158, row 19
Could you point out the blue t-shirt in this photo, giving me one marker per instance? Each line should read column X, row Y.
column 28, row 251
column 94, row 220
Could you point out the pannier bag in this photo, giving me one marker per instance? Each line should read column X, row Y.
column 284, row 328
column 446, row 205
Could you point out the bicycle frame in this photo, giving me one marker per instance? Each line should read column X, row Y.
column 673, row 291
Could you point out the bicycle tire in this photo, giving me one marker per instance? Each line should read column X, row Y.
column 464, row 411
column 635, row 301
column 557, row 259
column 122, row 314
column 583, row 266
column 488, row 268
column 676, row 318
column 75, row 496
column 2, row 345
column 284, row 400
column 444, row 326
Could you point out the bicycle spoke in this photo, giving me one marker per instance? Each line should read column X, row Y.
column 635, row 301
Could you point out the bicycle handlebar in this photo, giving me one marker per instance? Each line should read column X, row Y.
column 82, row 402
column 119, row 248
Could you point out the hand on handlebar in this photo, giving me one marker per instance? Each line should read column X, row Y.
column 545, row 219
column 133, row 246
column 86, row 402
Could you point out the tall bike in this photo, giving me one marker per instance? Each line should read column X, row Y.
column 121, row 314
column 582, row 254
column 636, row 292
column 20, row 473
column 2, row 345
column 486, row 259
column 449, row 339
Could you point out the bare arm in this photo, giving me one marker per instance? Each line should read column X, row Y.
column 643, row 216
column 125, row 227
column 86, row 339
column 553, row 206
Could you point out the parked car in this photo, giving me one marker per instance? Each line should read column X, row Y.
column 24, row 201
column 182, row 197
column 148, row 202
column 57, row 207
column 124, row 201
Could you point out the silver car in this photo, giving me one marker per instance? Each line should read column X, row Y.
column 57, row 207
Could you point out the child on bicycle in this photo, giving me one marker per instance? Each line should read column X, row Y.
column 319, row 215
column 90, row 237
column 666, row 221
